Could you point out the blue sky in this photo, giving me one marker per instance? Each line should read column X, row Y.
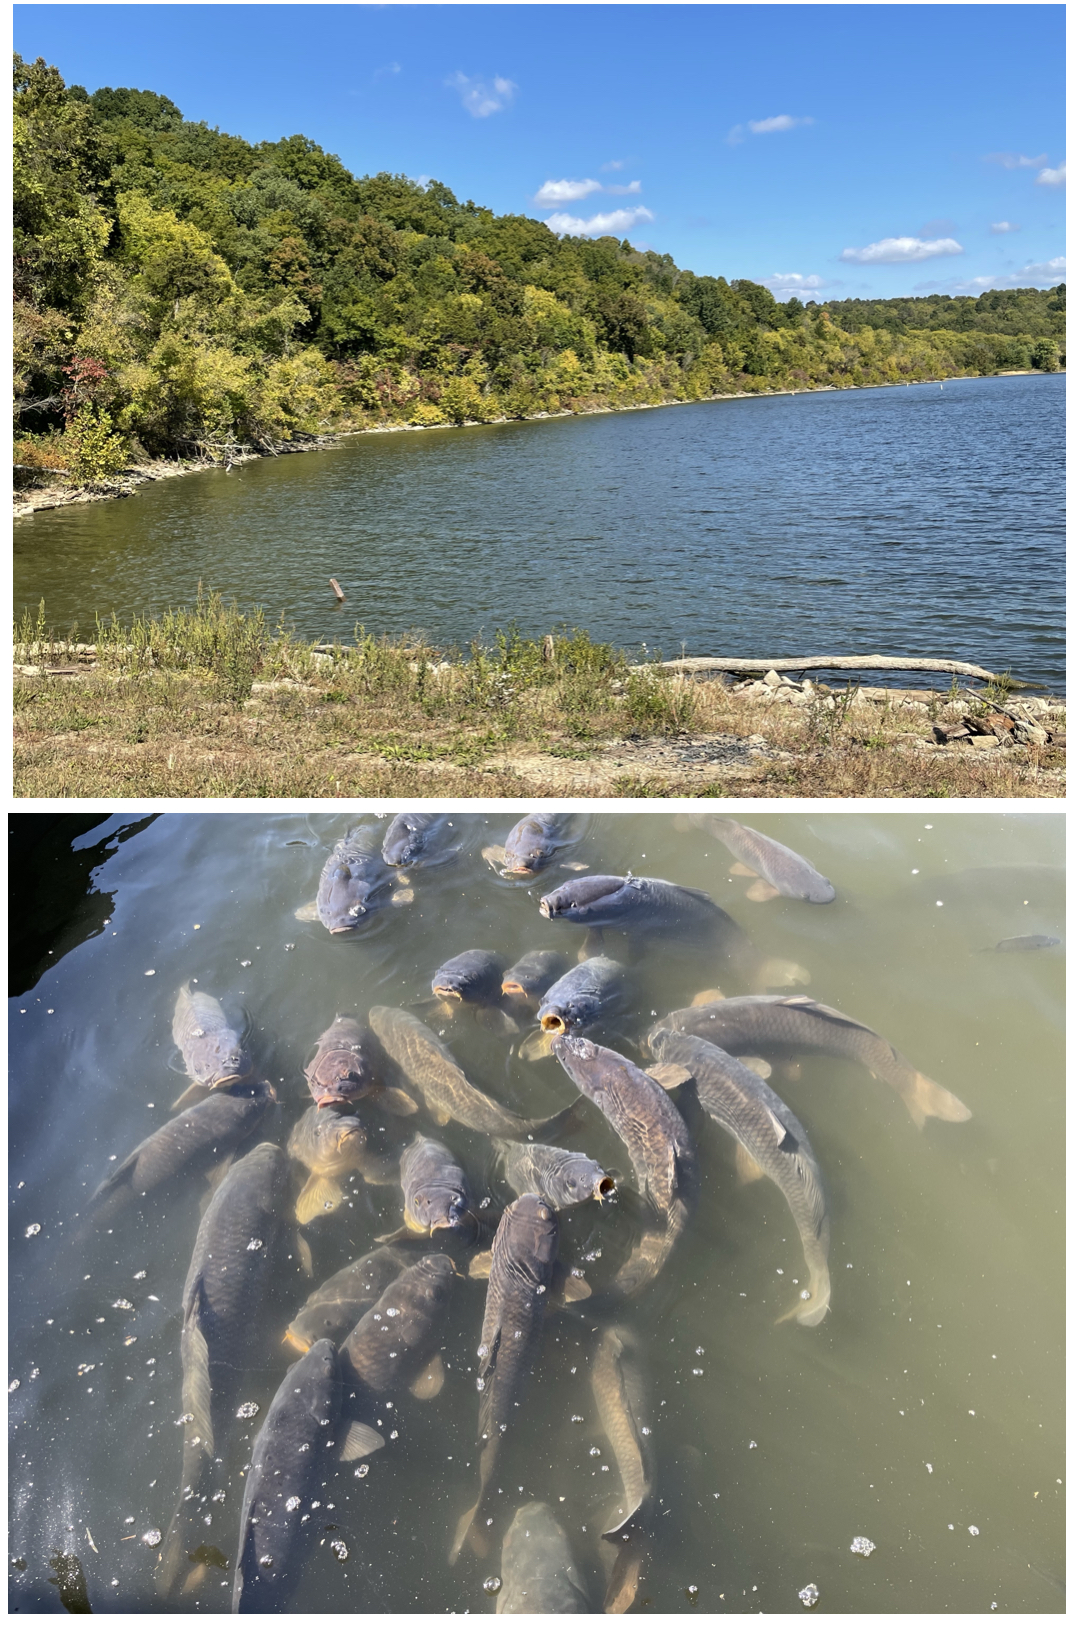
column 829, row 150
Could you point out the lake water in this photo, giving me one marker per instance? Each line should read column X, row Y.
column 925, row 1413
column 913, row 521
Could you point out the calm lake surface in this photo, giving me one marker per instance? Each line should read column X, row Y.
column 914, row 521
column 925, row 1413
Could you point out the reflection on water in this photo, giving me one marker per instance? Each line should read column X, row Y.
column 829, row 523
column 923, row 1415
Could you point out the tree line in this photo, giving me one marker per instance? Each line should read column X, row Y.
column 182, row 292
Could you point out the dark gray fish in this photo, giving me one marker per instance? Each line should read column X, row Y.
column 395, row 1344
column 788, row 1025
column 332, row 1143
column 355, row 882
column 583, row 995
column 619, row 1387
column 239, row 1258
column 333, row 1309
column 419, row 838
column 300, row 1437
column 186, row 1146
column 1015, row 945
column 533, row 974
column 656, row 1138
column 773, row 1142
column 780, row 870
column 565, row 1178
column 534, row 841
column 347, row 1063
column 524, row 1251
column 436, row 1193
column 537, row 1568
column 210, row 1046
column 435, row 1074
column 639, row 903
column 474, row 977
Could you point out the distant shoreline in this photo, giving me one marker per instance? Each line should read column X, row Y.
column 129, row 482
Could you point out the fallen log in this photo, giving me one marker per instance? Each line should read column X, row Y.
column 827, row 663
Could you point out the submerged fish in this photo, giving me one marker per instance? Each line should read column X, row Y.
column 621, row 1400
column 331, row 1143
column 438, row 1078
column 302, row 1435
column 1014, row 945
column 656, row 1138
column 347, row 1063
column 240, row 1256
column 639, row 903
column 475, row 977
column 533, row 974
column 210, row 1047
column 418, row 838
column 354, row 883
column 772, row 1141
column 565, row 1178
column 781, row 871
column 537, row 1569
column 394, row 1345
column 524, row 1252
column 333, row 1309
column 791, row 1024
column 436, row 1194
column 583, row 996
column 186, row 1146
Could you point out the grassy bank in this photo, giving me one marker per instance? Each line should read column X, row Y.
column 212, row 702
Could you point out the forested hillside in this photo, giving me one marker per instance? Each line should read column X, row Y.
column 179, row 291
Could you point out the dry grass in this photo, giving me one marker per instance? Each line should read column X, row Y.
column 208, row 703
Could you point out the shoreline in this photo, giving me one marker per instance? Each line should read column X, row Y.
column 127, row 484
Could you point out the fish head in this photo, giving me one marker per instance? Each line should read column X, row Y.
column 589, row 900
column 529, row 846
column 348, row 893
column 579, row 1178
column 583, row 1061
column 403, row 843
column 532, row 1229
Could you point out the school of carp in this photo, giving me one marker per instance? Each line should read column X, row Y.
column 382, row 1089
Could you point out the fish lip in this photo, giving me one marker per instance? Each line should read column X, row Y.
column 554, row 1023
column 228, row 1078
column 547, row 910
column 512, row 988
column 445, row 990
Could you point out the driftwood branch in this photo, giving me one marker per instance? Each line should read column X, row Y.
column 827, row 663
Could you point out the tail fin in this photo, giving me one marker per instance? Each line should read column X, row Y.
column 811, row 1310
column 467, row 1532
column 924, row 1099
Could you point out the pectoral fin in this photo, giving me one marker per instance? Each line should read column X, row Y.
column 747, row 1168
column 761, row 891
column 430, row 1382
column 495, row 1021
column 670, row 1074
column 480, row 1265
column 318, row 1196
column 535, row 1046
column 402, row 896
column 307, row 911
column 741, row 869
column 756, row 1064
column 398, row 1102
column 573, row 864
column 439, row 1113
column 707, row 996
column 190, row 1097
column 404, row 1234
column 576, row 1288
column 782, row 974
column 303, row 1256
column 778, row 1128
column 360, row 1441
column 592, row 945
column 496, row 857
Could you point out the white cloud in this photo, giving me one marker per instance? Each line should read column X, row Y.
column 1015, row 160
column 901, row 250
column 481, row 97
column 1052, row 177
column 390, row 67
column 782, row 121
column 1030, row 276
column 624, row 191
column 787, row 283
column 553, row 192
column 618, row 220
column 612, row 163
column 1001, row 226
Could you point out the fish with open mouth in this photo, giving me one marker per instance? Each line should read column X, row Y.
column 770, row 1140
column 436, row 1192
column 531, row 976
column 349, row 1064
column 532, row 844
column 565, row 1178
column 355, row 883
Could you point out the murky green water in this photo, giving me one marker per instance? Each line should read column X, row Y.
column 928, row 1402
